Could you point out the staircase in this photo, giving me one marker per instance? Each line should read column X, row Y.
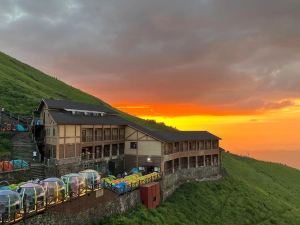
column 23, row 147
column 37, row 171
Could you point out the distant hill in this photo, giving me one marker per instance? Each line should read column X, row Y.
column 22, row 87
column 253, row 193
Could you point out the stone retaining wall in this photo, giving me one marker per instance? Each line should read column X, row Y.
column 88, row 209
column 15, row 176
column 172, row 181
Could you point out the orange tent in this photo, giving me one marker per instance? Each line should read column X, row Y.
column 6, row 166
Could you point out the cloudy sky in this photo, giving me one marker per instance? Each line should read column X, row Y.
column 165, row 57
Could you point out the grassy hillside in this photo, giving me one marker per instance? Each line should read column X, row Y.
column 22, row 87
column 5, row 144
column 254, row 193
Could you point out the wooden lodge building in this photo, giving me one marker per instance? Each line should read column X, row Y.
column 72, row 136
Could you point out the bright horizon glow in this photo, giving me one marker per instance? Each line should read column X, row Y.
column 265, row 136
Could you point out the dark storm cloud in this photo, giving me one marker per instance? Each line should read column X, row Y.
column 239, row 55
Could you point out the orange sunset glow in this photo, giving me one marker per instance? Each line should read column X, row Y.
column 229, row 67
column 266, row 135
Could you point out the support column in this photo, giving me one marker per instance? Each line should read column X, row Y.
column 196, row 161
column 188, row 162
column 110, row 151
column 173, row 169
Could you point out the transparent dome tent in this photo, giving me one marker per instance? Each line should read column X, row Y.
column 92, row 179
column 55, row 190
column 75, row 184
column 33, row 197
column 10, row 206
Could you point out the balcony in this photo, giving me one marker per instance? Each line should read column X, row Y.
column 87, row 139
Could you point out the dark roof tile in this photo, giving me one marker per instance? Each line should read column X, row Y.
column 67, row 118
column 67, row 104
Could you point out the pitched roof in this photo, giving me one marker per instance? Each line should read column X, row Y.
column 175, row 135
column 67, row 104
column 61, row 116
column 66, row 118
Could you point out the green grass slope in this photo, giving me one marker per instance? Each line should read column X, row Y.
column 22, row 87
column 253, row 193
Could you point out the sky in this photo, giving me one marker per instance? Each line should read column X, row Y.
column 227, row 66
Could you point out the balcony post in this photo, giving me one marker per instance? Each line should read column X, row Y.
column 173, row 169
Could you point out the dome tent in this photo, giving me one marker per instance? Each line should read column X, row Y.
column 55, row 190
column 75, row 184
column 33, row 197
column 10, row 206
column 92, row 178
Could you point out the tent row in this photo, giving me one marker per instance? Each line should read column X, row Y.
column 30, row 197
column 15, row 164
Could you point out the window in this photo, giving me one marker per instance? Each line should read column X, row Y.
column 53, row 152
column 98, row 152
column 193, row 145
column 121, row 149
column 201, row 145
column 87, row 153
column 215, row 144
column 215, row 160
column 106, row 150
column 122, row 133
column 133, row 145
column 87, row 135
column 181, row 146
column 69, row 150
column 107, row 134
column 200, row 160
column 176, row 147
column 54, row 131
column 208, row 160
column 98, row 134
column 115, row 133
column 114, row 149
column 208, row 145
column 83, row 135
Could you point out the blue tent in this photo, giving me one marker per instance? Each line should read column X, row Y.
column 20, row 128
column 19, row 164
column 4, row 188
column 120, row 188
column 134, row 170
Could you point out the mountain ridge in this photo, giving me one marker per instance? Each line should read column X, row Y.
column 22, row 87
